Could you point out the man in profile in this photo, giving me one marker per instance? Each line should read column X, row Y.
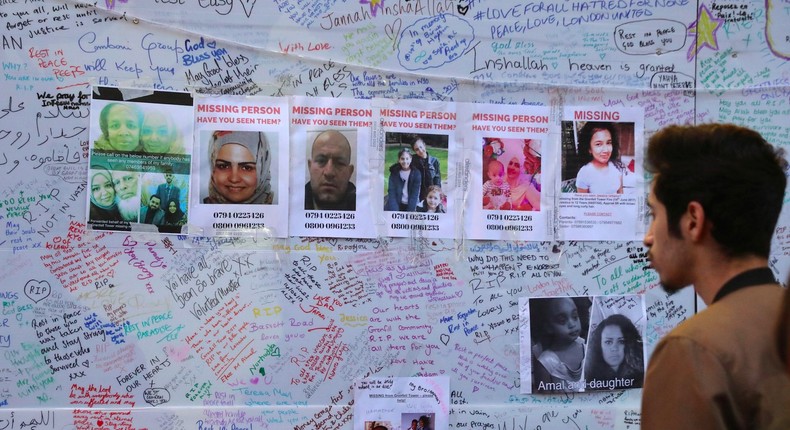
column 715, row 199
column 784, row 332
column 330, row 168
column 127, row 193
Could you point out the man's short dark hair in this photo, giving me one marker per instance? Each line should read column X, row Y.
column 737, row 177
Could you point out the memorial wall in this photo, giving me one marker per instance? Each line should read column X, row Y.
column 337, row 214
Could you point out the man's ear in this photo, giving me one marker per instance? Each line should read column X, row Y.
column 695, row 222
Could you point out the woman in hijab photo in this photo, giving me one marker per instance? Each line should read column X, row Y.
column 102, row 197
column 240, row 168
column 174, row 219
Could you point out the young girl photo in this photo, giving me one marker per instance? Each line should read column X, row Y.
column 403, row 190
column 433, row 201
column 558, row 331
column 603, row 171
column 598, row 157
column 496, row 191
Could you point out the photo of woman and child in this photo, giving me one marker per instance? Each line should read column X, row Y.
column 565, row 359
column 601, row 158
column 511, row 174
column 130, row 127
column 240, row 163
column 414, row 181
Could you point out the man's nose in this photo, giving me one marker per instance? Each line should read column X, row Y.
column 648, row 239
column 330, row 169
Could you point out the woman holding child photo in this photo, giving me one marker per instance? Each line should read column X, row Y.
column 520, row 159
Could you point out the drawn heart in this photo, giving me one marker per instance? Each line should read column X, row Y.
column 212, row 44
column 247, row 5
column 445, row 338
column 178, row 354
column 459, row 293
column 156, row 396
column 602, row 55
column 100, row 423
column 37, row 290
column 254, row 380
column 463, row 9
column 475, row 389
column 393, row 30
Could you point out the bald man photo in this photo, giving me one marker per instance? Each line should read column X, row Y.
column 330, row 166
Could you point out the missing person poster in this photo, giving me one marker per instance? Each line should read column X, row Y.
column 330, row 140
column 582, row 343
column 506, row 147
column 398, row 403
column 602, row 184
column 140, row 160
column 241, row 173
column 418, row 182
